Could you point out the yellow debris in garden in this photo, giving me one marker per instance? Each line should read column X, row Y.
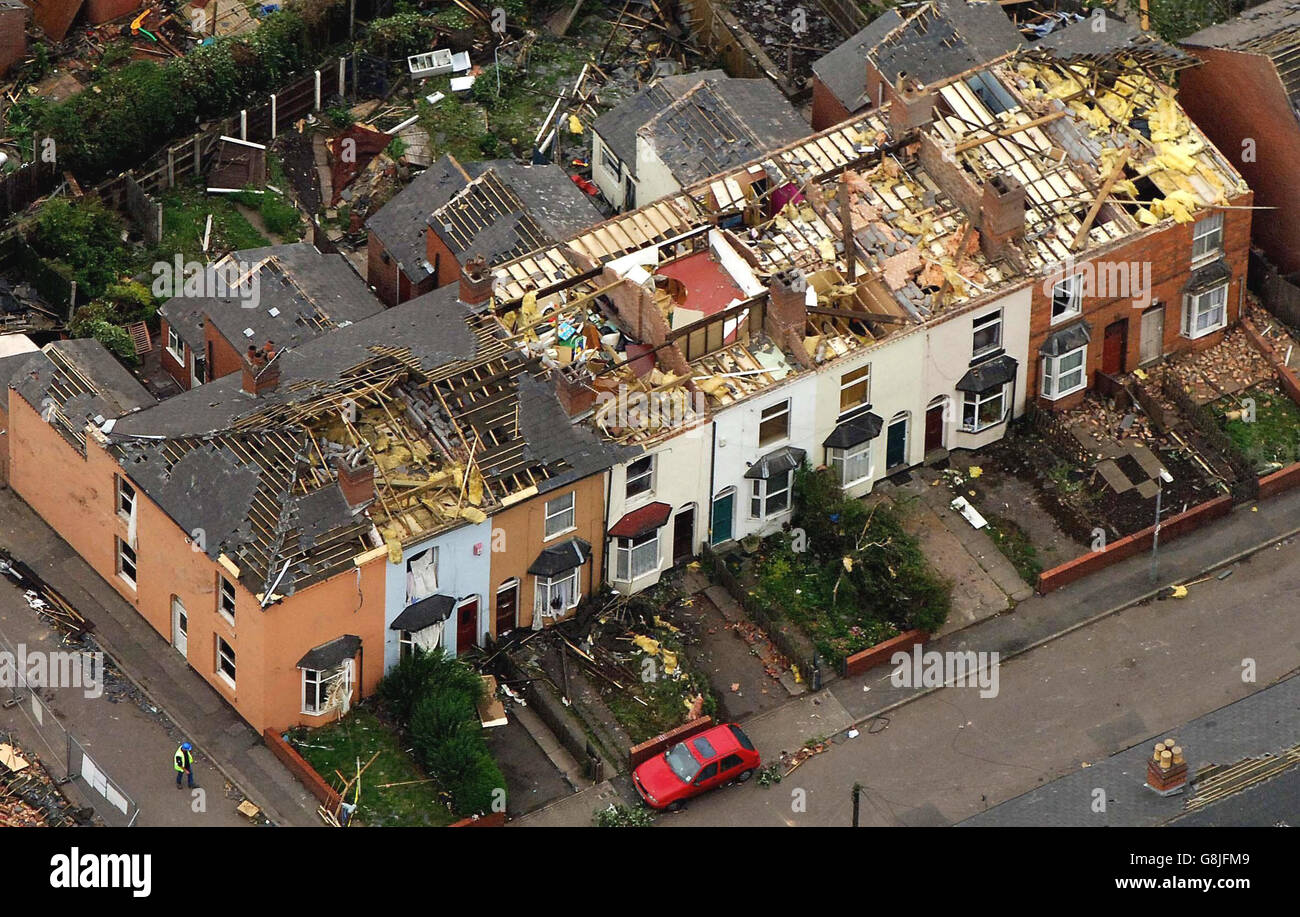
column 648, row 645
column 670, row 662
column 848, row 563
column 794, row 670
column 660, row 622
column 975, row 471
column 575, row 126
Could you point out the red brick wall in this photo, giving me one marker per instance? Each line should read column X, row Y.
column 98, row 11
column 826, row 109
column 1213, row 94
column 298, row 766
column 1171, row 528
column 661, row 743
column 1168, row 249
column 169, row 363
column 391, row 285
column 881, row 652
column 13, row 37
column 437, row 253
column 225, row 359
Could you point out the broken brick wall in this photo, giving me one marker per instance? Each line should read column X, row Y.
column 827, row 110
column 13, row 35
column 223, row 358
column 445, row 262
column 179, row 371
column 1212, row 95
column 392, row 285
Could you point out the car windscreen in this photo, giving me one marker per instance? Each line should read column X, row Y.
column 683, row 762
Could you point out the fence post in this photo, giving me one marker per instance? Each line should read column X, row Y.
column 317, row 108
column 198, row 155
column 343, row 67
column 273, row 114
column 171, row 167
column 243, row 124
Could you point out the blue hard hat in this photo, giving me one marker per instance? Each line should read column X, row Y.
column 186, row 745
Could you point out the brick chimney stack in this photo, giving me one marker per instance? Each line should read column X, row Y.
column 786, row 317
column 475, row 282
column 356, row 483
column 1002, row 213
column 911, row 106
column 1167, row 769
column 261, row 370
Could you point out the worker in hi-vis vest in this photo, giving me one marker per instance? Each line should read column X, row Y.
column 184, row 763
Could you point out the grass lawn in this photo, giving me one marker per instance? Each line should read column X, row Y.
column 185, row 213
column 1015, row 544
column 1273, row 437
column 359, row 735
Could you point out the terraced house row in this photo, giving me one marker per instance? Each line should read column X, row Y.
column 345, row 483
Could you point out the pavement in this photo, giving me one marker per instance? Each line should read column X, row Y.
column 1094, row 668
column 127, row 738
column 199, row 713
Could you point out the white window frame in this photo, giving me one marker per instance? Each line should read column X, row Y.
column 1193, row 310
column 125, row 496
column 224, row 585
column 761, row 496
column 780, row 409
column 570, row 512
column 1051, row 384
column 977, row 400
column 647, row 476
column 990, row 320
column 323, row 680
column 542, row 586
column 1207, row 239
column 230, row 651
column 128, row 567
column 610, row 163
column 630, row 554
column 847, row 383
column 406, row 645
column 1074, row 283
column 841, row 461
column 175, row 346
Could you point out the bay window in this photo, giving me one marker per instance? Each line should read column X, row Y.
column 635, row 557
column 1205, row 312
column 850, row 465
column 1065, row 373
column 554, row 595
column 981, row 410
column 770, row 497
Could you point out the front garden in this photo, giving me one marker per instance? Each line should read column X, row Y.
column 1263, row 423
column 846, row 574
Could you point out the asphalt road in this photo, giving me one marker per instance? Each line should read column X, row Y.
column 1134, row 676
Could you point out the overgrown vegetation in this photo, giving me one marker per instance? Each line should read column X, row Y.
column 435, row 698
column 847, row 573
column 618, row 815
column 394, row 792
column 86, row 237
column 279, row 215
column 1270, row 437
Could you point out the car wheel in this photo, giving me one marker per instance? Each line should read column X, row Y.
column 743, row 776
column 675, row 806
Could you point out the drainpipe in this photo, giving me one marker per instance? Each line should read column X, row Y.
column 604, row 529
column 713, row 461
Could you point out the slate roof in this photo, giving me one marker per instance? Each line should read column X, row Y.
column 855, row 431
column 560, row 558
column 988, row 375
column 844, row 70
column 77, row 382
column 1271, row 30
column 944, row 38
column 1084, row 39
column 618, row 126
column 778, row 461
column 240, row 469
column 424, row 613
column 720, row 124
column 309, row 291
column 400, row 223
column 328, row 655
column 553, row 203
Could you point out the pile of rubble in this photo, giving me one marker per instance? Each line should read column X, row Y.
column 1229, row 367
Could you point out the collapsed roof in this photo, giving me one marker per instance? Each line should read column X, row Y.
column 943, row 38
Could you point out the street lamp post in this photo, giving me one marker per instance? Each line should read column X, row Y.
column 1162, row 479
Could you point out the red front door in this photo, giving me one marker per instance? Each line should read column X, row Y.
column 1113, row 347
column 933, row 428
column 466, row 626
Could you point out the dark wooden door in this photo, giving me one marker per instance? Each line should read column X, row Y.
column 507, row 606
column 466, row 626
column 1113, row 348
column 684, row 535
column 896, row 443
column 933, row 428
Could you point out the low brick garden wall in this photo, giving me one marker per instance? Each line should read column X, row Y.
column 1286, row 478
column 298, row 766
column 662, row 742
column 1130, row 545
column 881, row 652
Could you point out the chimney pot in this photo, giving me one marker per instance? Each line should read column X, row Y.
column 475, row 282
column 357, row 484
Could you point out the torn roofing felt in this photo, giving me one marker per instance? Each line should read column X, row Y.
column 843, row 70
column 298, row 293
column 944, row 38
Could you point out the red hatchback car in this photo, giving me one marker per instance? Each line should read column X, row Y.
column 716, row 756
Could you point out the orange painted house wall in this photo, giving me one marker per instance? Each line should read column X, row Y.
column 517, row 540
column 267, row 642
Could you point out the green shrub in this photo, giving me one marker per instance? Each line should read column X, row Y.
column 116, row 338
column 85, row 235
column 617, row 815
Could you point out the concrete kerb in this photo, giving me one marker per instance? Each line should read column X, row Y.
column 267, row 809
column 1129, row 603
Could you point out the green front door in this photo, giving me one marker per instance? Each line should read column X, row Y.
column 722, row 512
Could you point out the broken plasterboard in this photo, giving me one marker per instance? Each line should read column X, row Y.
column 11, row 760
column 491, row 712
column 462, row 83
